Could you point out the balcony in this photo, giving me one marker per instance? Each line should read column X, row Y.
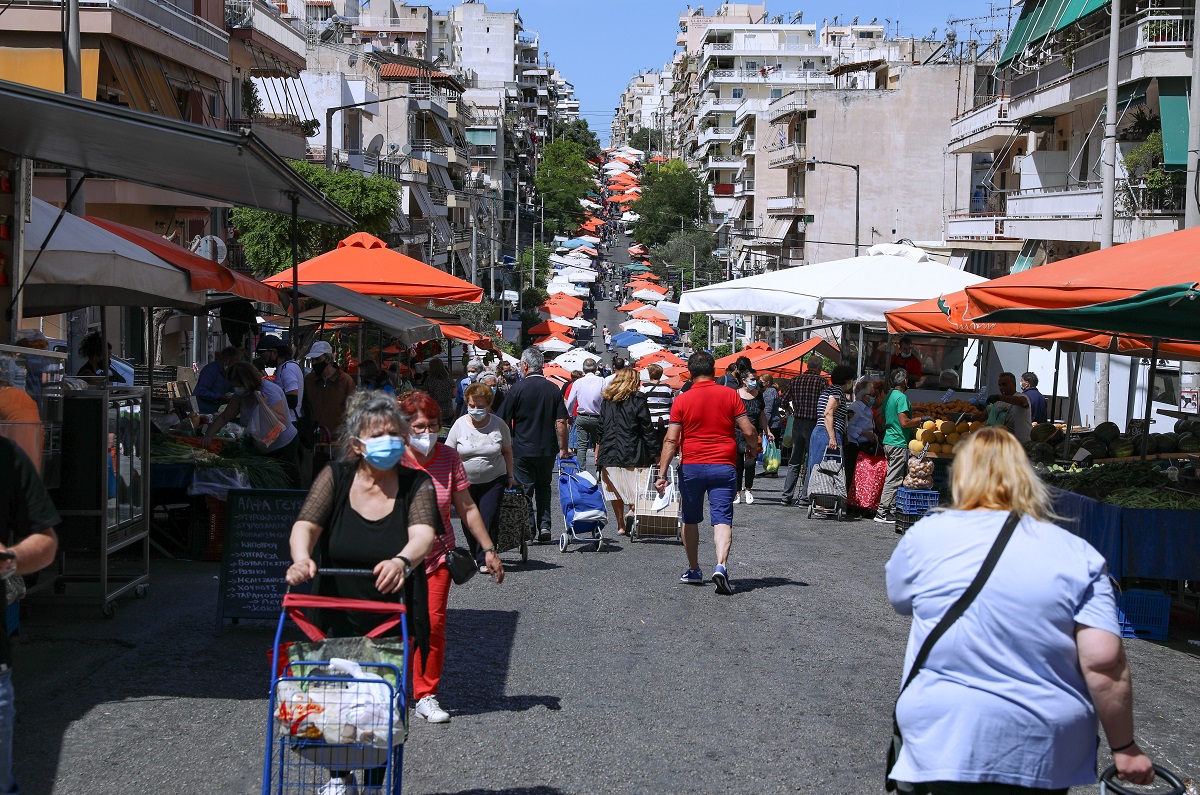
column 164, row 16
column 805, row 77
column 528, row 40
column 1073, row 72
column 714, row 134
column 461, row 199
column 785, row 205
column 778, row 112
column 726, row 49
column 984, row 128
column 430, row 151
column 976, row 227
column 744, row 187
column 484, row 151
column 249, row 17
column 720, row 189
column 426, row 97
column 792, row 154
column 725, row 162
column 284, row 136
column 718, row 105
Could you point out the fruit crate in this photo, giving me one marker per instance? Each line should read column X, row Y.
column 1144, row 614
column 916, row 502
column 906, row 520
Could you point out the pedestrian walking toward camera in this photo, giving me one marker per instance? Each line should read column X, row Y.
column 703, row 420
column 1020, row 648
column 626, row 443
column 537, row 416
column 756, row 412
column 484, row 443
column 800, row 401
column 584, row 402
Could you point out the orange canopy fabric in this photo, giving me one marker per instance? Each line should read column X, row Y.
column 203, row 274
column 557, row 373
column 1094, row 278
column 784, row 362
column 758, row 345
column 651, row 276
column 643, row 285
column 637, row 249
column 631, row 306
column 550, row 327
column 591, row 252
column 658, row 159
column 452, row 331
column 663, row 357
column 363, row 263
column 648, row 313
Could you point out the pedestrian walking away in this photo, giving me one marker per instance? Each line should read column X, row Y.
column 444, row 466
column 29, row 544
column 537, row 417
column 701, row 430
column 584, row 401
column 659, row 397
column 800, row 401
column 1030, row 656
column 440, row 386
column 828, row 437
column 626, row 443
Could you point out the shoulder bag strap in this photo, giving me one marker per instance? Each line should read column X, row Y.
column 963, row 602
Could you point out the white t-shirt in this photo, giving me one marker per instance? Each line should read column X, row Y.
column 275, row 397
column 481, row 449
column 290, row 378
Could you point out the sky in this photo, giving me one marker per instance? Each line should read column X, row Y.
column 599, row 46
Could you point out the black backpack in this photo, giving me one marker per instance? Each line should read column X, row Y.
column 306, row 420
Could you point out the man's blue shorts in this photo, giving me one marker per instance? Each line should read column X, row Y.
column 719, row 481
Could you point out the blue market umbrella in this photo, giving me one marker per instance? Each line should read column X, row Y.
column 575, row 243
column 627, row 338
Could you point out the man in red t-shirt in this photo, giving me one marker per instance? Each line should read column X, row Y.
column 702, row 423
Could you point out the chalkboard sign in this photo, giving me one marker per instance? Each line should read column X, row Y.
column 256, row 554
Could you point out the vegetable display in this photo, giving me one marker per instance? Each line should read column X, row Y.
column 263, row 472
column 1154, row 499
column 1117, row 475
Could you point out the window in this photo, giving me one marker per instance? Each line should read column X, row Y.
column 751, row 66
column 776, row 93
column 736, row 93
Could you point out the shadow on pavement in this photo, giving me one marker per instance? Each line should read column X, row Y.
column 478, row 653
column 533, row 564
column 508, row 791
column 756, row 583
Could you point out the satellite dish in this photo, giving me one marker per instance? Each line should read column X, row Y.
column 204, row 248
column 406, row 149
column 393, row 147
column 375, row 145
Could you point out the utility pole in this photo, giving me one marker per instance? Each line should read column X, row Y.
column 517, row 252
column 1108, row 167
column 474, row 252
column 76, row 204
column 1192, row 202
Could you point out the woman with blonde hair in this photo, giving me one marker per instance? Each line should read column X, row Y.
column 1004, row 696
column 627, row 442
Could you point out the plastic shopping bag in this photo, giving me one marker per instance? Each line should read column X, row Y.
column 771, row 457
column 264, row 426
column 217, row 482
column 787, row 432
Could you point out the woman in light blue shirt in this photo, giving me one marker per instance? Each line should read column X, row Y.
column 1009, row 698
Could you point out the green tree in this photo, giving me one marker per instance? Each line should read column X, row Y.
column 563, row 178
column 647, row 139
column 699, row 337
column 266, row 237
column 673, row 258
column 578, row 131
column 673, row 197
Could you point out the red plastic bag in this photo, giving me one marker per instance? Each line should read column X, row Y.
column 870, row 471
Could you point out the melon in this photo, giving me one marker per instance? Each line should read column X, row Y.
column 924, row 436
column 915, row 447
column 1042, row 432
column 1183, row 426
column 952, row 439
column 975, row 426
column 939, row 437
column 1151, row 444
column 1095, row 446
column 930, row 425
column 1107, row 432
column 945, row 427
column 1189, row 443
column 1122, row 448
column 963, row 428
column 1039, row 452
column 1167, row 443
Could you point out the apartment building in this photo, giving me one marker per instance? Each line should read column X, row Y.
column 640, row 106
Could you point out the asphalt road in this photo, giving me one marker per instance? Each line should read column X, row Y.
column 583, row 672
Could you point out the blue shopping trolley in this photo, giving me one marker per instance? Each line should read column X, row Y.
column 583, row 507
column 338, row 714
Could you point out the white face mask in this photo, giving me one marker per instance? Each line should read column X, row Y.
column 422, row 442
column 477, row 414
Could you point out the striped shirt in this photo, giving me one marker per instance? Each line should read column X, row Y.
column 449, row 477
column 839, row 412
column 658, row 399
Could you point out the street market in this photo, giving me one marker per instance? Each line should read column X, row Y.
column 372, row 466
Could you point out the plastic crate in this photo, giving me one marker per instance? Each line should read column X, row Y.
column 1144, row 614
column 906, row 520
column 916, row 502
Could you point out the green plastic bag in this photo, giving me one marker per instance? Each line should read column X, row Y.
column 770, row 458
column 787, row 432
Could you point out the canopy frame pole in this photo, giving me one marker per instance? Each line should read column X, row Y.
column 1054, row 391
column 294, row 233
column 1072, row 402
column 1150, row 394
column 860, row 349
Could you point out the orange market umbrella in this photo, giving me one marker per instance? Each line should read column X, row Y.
column 648, row 313
column 632, row 306
column 363, row 263
column 663, row 357
column 1094, row 278
column 784, row 362
column 550, row 327
column 650, row 276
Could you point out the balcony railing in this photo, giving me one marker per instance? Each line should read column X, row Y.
column 788, row 155
column 719, row 105
column 992, row 112
column 725, row 161
column 717, row 134
column 257, row 15
column 785, row 204
column 166, row 17
column 778, row 112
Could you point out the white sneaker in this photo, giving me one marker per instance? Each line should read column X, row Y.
column 737, row 498
column 429, row 709
column 339, row 785
column 749, row 497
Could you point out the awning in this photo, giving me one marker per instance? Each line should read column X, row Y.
column 1130, row 95
column 444, row 129
column 205, row 274
column 452, row 331
column 1032, row 255
column 1173, row 109
column 96, row 137
column 1038, row 19
column 405, row 326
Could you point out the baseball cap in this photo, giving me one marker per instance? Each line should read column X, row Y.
column 319, row 348
column 269, row 342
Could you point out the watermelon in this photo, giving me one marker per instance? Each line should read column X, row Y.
column 1107, row 432
column 1122, row 448
column 1039, row 452
column 1095, row 446
column 1167, row 443
column 1043, row 432
column 1183, row 426
column 1189, row 443
column 1151, row 444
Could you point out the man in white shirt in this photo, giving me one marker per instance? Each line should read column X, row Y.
column 585, row 396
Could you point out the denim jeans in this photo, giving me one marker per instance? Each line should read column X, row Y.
column 8, row 717
column 801, row 430
column 587, row 426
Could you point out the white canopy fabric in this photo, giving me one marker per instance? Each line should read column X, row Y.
column 577, row 259
column 552, row 344
column 85, row 265
column 642, row 327
column 574, row 358
column 643, row 348
column 631, row 150
column 589, row 238
column 650, row 295
column 579, row 275
column 573, row 322
column 559, row 286
column 631, row 217
column 671, row 310
column 854, row 290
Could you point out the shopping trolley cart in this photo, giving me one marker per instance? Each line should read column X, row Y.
column 583, row 506
column 649, row 523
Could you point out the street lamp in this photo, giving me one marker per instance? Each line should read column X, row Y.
column 857, row 193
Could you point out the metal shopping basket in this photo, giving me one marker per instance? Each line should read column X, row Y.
column 649, row 523
column 338, row 705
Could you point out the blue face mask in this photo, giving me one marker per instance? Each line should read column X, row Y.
column 383, row 452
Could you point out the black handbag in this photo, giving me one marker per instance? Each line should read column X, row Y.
column 461, row 564
column 953, row 614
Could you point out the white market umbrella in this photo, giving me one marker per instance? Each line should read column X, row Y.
column 574, row 358
column 590, row 238
column 579, row 275
column 671, row 310
column 643, row 327
column 561, row 286
column 85, row 265
column 644, row 348
column 552, row 344
column 573, row 322
column 651, row 295
column 854, row 290
column 630, row 217
column 632, row 151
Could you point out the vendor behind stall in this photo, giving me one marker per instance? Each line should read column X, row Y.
column 248, row 383
column 212, row 386
column 907, row 359
column 98, row 354
column 1009, row 408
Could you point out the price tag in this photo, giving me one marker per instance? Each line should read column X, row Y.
column 948, row 396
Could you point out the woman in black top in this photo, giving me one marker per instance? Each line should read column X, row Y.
column 756, row 411
column 367, row 512
column 626, row 442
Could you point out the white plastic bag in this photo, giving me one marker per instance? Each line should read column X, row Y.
column 217, row 482
column 263, row 425
column 357, row 711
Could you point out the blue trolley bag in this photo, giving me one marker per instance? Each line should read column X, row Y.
column 581, row 497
